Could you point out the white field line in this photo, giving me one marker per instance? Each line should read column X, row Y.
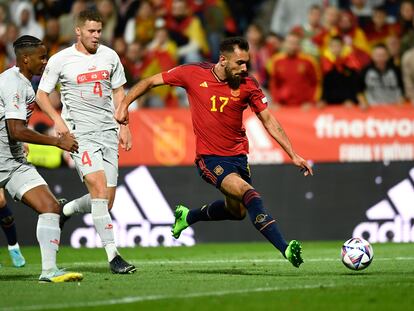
column 133, row 299
column 221, row 261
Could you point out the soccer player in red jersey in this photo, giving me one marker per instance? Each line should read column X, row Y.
column 218, row 95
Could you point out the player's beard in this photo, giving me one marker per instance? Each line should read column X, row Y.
column 234, row 81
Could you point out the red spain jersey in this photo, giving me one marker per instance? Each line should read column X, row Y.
column 216, row 109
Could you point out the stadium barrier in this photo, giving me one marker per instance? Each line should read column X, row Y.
column 333, row 134
column 373, row 200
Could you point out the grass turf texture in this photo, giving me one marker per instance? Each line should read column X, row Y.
column 250, row 276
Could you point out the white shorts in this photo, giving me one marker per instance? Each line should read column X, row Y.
column 20, row 178
column 98, row 152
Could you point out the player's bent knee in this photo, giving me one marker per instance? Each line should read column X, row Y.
column 50, row 207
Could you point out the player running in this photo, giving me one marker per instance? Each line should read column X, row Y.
column 91, row 78
column 20, row 179
column 218, row 95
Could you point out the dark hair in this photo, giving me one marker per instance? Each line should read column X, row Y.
column 228, row 44
column 88, row 15
column 26, row 41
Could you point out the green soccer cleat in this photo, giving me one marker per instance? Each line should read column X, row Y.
column 180, row 223
column 17, row 257
column 293, row 253
column 59, row 276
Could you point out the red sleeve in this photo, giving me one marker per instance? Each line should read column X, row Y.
column 177, row 76
column 257, row 99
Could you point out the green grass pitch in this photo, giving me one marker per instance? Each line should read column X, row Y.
column 215, row 277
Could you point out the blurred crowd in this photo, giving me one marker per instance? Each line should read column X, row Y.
column 303, row 52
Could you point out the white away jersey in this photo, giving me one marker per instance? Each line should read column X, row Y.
column 86, row 88
column 17, row 101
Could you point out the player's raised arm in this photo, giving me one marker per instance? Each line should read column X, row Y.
column 274, row 128
column 139, row 89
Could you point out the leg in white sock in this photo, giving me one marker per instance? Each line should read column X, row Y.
column 103, row 225
column 48, row 235
column 80, row 205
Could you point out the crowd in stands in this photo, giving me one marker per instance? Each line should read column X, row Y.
column 303, row 52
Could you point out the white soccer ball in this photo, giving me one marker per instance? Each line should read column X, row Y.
column 357, row 254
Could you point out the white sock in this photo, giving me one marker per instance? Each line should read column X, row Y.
column 80, row 205
column 15, row 246
column 103, row 225
column 48, row 235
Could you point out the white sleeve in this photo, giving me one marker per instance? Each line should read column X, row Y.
column 50, row 76
column 15, row 102
column 118, row 75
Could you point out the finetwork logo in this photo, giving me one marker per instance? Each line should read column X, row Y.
column 391, row 219
column 141, row 216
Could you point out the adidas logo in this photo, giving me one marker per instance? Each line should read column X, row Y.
column 204, row 84
column 391, row 218
column 141, row 216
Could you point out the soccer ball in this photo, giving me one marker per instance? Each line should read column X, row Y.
column 357, row 254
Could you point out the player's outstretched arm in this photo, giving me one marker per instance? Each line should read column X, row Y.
column 43, row 101
column 18, row 131
column 139, row 89
column 274, row 128
column 125, row 137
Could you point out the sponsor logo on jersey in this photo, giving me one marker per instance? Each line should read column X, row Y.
column 141, row 216
column 169, row 141
column 93, row 76
column 392, row 218
column 204, row 84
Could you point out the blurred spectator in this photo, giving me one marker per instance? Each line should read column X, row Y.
column 141, row 27
column 381, row 82
column 407, row 33
column 378, row 30
column 12, row 33
column 3, row 20
column 363, row 10
column 47, row 9
column 216, row 15
column 330, row 20
column 133, row 62
column 288, row 13
column 126, row 9
column 52, row 39
column 186, row 30
column 408, row 74
column 340, row 77
column 406, row 17
column 294, row 77
column 162, row 41
column 244, row 12
column 258, row 53
column 25, row 20
column 351, row 33
column 107, row 10
column 310, row 30
column 273, row 43
column 393, row 45
column 67, row 21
